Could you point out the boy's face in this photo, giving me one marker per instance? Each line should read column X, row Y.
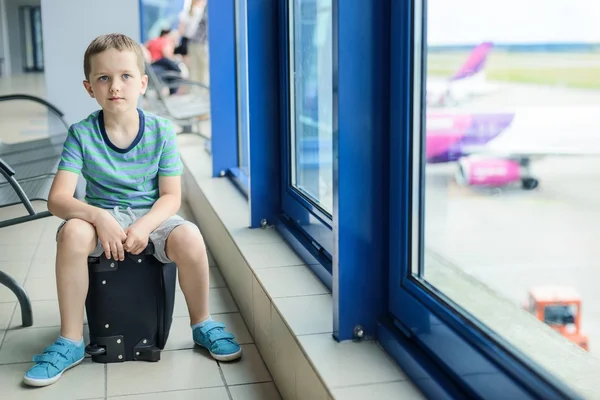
column 116, row 81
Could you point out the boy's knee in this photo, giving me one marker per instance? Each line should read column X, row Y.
column 188, row 234
column 77, row 234
column 185, row 237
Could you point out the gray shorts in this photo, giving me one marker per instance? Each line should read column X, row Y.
column 158, row 237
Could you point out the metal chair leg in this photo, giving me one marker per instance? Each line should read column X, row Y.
column 19, row 291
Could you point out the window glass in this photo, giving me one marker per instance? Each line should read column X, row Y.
column 160, row 14
column 510, row 157
column 241, row 46
column 311, row 92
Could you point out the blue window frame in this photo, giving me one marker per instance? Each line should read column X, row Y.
column 458, row 346
column 237, row 108
column 366, row 246
column 223, row 74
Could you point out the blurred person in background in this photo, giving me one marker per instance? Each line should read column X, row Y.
column 193, row 26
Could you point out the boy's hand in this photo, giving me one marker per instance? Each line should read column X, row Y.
column 111, row 235
column 137, row 238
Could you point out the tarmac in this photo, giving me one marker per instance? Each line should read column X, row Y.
column 512, row 239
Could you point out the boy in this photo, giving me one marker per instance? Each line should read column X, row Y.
column 130, row 161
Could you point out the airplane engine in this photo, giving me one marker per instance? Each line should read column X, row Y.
column 489, row 172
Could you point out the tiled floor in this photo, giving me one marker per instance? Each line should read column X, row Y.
column 27, row 253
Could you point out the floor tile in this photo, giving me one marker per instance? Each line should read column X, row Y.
column 255, row 391
column 22, row 343
column 177, row 370
column 220, row 301
column 16, row 269
column 6, row 295
column 17, row 252
column 41, row 288
column 216, row 279
column 46, row 251
column 52, row 224
column 28, row 233
column 217, row 393
column 45, row 314
column 86, row 381
column 6, row 312
column 42, row 269
column 249, row 369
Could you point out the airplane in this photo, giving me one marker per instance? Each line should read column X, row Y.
column 467, row 82
column 490, row 149
column 496, row 148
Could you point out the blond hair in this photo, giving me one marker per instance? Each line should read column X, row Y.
column 115, row 41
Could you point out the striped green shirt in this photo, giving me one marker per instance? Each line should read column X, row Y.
column 122, row 177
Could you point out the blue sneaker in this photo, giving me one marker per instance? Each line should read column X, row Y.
column 54, row 360
column 221, row 344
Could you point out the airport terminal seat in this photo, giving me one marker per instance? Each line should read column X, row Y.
column 26, row 146
column 184, row 109
column 27, row 170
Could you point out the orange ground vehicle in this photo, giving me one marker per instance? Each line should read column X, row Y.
column 560, row 308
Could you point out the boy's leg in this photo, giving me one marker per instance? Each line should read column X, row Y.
column 180, row 241
column 76, row 239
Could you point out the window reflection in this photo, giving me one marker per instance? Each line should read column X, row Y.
column 512, row 153
column 311, row 92
column 241, row 48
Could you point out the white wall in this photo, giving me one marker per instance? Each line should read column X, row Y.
column 69, row 27
column 14, row 32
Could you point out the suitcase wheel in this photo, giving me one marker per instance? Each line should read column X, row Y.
column 95, row 350
column 106, row 349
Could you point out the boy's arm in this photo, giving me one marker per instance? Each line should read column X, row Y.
column 61, row 202
column 167, row 204
column 170, row 169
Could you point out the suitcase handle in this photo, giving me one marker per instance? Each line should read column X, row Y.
column 148, row 251
column 100, row 265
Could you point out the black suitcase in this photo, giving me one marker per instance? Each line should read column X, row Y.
column 129, row 307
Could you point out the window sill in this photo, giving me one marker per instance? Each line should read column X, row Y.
column 565, row 360
column 287, row 309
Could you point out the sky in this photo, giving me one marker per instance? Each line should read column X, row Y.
column 513, row 21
